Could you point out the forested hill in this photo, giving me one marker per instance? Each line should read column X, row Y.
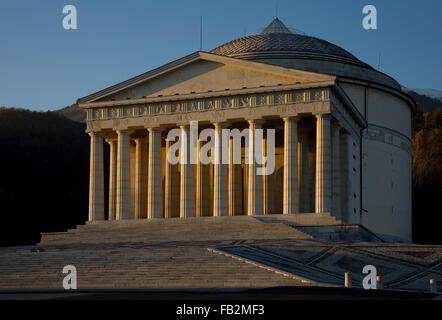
column 73, row 112
column 425, row 103
column 44, row 161
column 427, row 176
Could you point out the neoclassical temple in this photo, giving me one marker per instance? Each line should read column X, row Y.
column 342, row 136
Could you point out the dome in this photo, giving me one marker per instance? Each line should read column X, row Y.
column 285, row 45
column 278, row 45
column 277, row 41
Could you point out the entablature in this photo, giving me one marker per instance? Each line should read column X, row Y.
column 275, row 102
column 265, row 103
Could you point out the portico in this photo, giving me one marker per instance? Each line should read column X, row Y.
column 311, row 118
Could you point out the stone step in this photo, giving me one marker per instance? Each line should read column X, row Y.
column 190, row 267
column 105, row 256
column 197, row 228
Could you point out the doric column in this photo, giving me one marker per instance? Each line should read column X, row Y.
column 96, row 181
column 140, row 178
column 255, row 197
column 265, row 183
column 187, row 182
column 235, row 185
column 232, row 187
column 168, row 182
column 154, row 186
column 245, row 181
column 123, row 176
column 202, row 204
column 303, row 172
column 323, row 164
column 290, row 188
column 312, row 170
column 345, row 147
column 336, row 172
column 113, row 156
column 220, row 176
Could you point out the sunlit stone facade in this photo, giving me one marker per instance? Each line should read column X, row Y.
column 342, row 136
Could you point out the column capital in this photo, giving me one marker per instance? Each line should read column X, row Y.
column 153, row 129
column 323, row 116
column 220, row 124
column 287, row 118
column 183, row 125
column 111, row 140
column 118, row 131
column 170, row 140
column 95, row 133
column 257, row 121
column 140, row 139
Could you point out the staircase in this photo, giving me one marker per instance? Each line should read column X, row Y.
column 159, row 253
column 212, row 253
column 190, row 229
column 132, row 266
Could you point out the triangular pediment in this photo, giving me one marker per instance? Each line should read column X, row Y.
column 204, row 72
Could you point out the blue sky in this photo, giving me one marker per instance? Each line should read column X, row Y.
column 44, row 67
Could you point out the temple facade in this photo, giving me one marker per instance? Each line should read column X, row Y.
column 341, row 136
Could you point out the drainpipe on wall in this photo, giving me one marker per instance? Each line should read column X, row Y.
column 360, row 156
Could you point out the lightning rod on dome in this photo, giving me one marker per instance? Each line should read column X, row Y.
column 201, row 33
column 379, row 61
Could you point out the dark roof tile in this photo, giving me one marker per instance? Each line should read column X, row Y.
column 285, row 43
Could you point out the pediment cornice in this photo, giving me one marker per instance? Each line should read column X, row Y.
column 206, row 95
column 203, row 56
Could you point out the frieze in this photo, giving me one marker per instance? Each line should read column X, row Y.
column 216, row 103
